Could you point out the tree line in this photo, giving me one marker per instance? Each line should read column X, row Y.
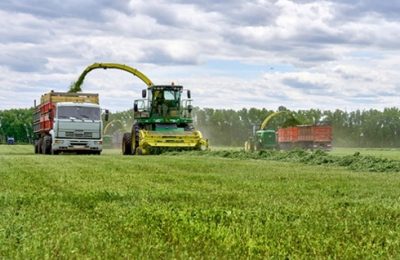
column 360, row 128
column 16, row 123
column 227, row 127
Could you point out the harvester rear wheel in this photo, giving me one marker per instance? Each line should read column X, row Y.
column 127, row 144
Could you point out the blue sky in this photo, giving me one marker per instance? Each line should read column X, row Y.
column 231, row 54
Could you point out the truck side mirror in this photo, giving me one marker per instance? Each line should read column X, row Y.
column 190, row 108
column 106, row 115
column 144, row 93
column 188, row 94
column 135, row 107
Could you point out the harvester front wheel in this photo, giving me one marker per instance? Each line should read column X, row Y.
column 127, row 144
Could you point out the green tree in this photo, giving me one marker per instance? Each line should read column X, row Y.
column 16, row 123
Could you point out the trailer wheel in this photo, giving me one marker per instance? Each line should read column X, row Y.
column 39, row 145
column 46, row 145
column 36, row 147
column 127, row 144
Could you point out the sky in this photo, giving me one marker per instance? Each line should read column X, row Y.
column 302, row 54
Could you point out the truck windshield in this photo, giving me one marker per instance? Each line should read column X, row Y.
column 79, row 112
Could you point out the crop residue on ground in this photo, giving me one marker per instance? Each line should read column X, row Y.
column 355, row 162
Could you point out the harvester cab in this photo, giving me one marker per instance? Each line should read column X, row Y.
column 164, row 103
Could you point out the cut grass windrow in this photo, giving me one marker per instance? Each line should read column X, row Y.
column 355, row 162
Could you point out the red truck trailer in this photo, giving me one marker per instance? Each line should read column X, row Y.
column 305, row 137
column 287, row 137
column 322, row 137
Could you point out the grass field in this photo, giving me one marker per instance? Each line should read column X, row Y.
column 111, row 206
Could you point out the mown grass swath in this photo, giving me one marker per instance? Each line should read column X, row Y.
column 356, row 161
column 186, row 206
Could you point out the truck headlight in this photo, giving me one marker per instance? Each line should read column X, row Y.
column 58, row 141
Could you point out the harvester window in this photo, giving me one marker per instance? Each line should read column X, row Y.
column 141, row 105
column 172, row 98
column 166, row 102
column 170, row 95
column 158, row 98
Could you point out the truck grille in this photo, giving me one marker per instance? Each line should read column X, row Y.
column 78, row 134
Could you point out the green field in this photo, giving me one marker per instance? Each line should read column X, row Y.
column 183, row 206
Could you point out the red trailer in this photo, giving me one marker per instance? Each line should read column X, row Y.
column 305, row 137
column 322, row 137
column 44, row 117
column 287, row 137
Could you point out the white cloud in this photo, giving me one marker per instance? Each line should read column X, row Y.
column 300, row 54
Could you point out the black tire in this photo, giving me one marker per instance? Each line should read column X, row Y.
column 46, row 145
column 39, row 144
column 127, row 144
column 36, row 147
column 55, row 152
column 135, row 136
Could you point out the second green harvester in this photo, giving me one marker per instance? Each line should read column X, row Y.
column 265, row 138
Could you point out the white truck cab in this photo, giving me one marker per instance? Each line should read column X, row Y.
column 77, row 127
